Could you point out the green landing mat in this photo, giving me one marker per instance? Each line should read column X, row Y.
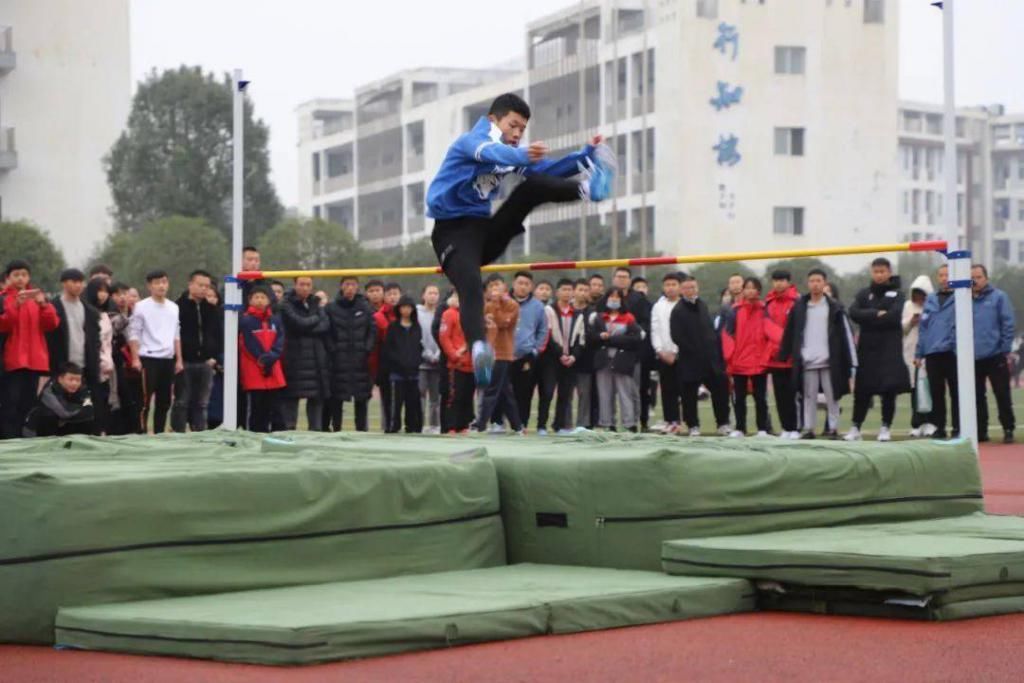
column 918, row 558
column 610, row 500
column 90, row 521
column 306, row 624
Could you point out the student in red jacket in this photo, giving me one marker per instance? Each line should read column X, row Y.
column 777, row 306
column 260, row 343
column 26, row 318
column 748, row 336
column 461, row 385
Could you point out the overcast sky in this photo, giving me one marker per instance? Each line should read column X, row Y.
column 296, row 50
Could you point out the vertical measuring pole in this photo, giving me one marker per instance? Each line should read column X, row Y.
column 959, row 259
column 232, row 288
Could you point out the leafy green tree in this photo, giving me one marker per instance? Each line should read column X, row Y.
column 175, row 156
column 177, row 244
column 26, row 241
column 1011, row 281
column 311, row 244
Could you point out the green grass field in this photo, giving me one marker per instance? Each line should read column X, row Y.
column 901, row 427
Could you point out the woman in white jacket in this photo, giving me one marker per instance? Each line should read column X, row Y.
column 920, row 289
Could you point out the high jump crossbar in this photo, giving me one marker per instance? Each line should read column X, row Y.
column 936, row 245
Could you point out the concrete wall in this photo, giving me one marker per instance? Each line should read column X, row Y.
column 68, row 99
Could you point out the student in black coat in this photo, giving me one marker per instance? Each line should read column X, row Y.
column 402, row 353
column 352, row 337
column 699, row 360
column 71, row 307
column 305, row 360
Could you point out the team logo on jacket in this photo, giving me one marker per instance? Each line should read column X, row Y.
column 486, row 184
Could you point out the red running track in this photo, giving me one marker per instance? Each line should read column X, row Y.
column 745, row 647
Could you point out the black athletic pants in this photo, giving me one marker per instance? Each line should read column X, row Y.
column 739, row 393
column 405, row 397
column 997, row 371
column 941, row 369
column 19, row 396
column 718, row 385
column 465, row 244
column 862, row 401
column 333, row 414
column 459, row 410
column 669, row 393
column 158, row 379
column 499, row 390
column 263, row 410
column 785, row 398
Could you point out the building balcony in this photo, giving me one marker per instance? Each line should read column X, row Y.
column 338, row 183
column 8, row 58
column 376, row 125
column 8, row 151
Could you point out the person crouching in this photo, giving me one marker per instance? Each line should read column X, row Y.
column 260, row 343
column 64, row 406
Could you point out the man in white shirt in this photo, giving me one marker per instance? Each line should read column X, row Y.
column 155, row 339
column 666, row 350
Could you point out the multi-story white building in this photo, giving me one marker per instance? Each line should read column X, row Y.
column 990, row 175
column 65, row 92
column 739, row 125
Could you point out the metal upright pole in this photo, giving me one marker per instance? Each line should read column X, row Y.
column 232, row 288
column 959, row 258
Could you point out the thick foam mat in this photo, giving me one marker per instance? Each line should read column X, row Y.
column 613, row 504
column 917, row 558
column 91, row 521
column 365, row 618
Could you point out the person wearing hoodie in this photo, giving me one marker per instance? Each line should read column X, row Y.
column 920, row 423
column 26, row 318
column 501, row 315
column 402, row 353
column 566, row 335
column 698, row 359
column 819, row 340
column 881, row 372
column 261, row 342
column 994, row 327
column 351, row 340
column 458, row 413
column 667, row 351
column 305, row 361
column 202, row 338
column 936, row 353
column 777, row 306
column 748, row 336
column 431, row 363
column 617, row 338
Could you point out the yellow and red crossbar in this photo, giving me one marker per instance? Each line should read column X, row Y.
column 936, row 245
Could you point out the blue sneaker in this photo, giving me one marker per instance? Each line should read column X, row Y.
column 483, row 363
column 601, row 176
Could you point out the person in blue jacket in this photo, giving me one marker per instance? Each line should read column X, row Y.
column 482, row 166
column 993, row 340
column 936, row 351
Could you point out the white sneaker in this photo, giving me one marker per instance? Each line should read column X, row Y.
column 542, row 432
column 496, row 429
column 928, row 429
column 694, row 431
column 567, row 432
column 915, row 433
column 761, row 432
column 725, row 430
column 736, row 434
column 884, row 434
column 853, row 435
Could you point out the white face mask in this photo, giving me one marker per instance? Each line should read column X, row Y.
column 614, row 304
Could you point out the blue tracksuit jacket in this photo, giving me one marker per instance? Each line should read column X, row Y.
column 476, row 162
column 938, row 326
column 993, row 323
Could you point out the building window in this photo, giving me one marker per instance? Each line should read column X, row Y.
column 874, row 11
column 789, row 220
column 789, row 141
column 790, row 60
column 316, row 212
column 906, row 202
column 316, row 167
column 707, row 9
column 1020, row 210
column 1020, row 251
column 1001, row 250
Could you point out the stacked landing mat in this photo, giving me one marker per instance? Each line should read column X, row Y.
column 612, row 504
column 948, row 568
column 92, row 521
column 365, row 618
